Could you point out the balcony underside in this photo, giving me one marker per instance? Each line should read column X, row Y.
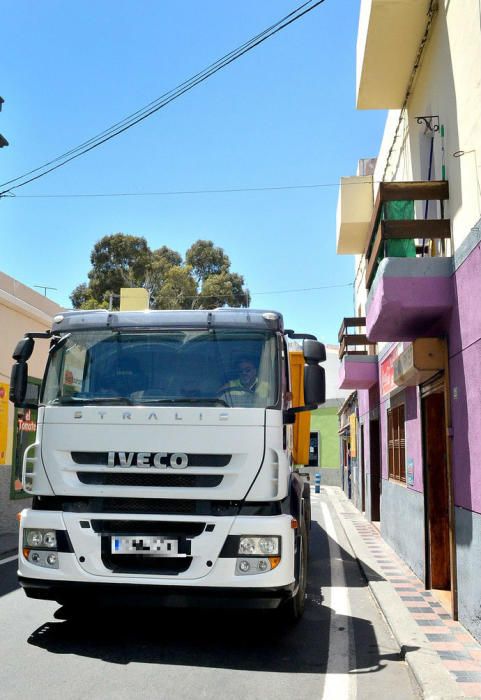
column 389, row 36
column 358, row 372
column 410, row 298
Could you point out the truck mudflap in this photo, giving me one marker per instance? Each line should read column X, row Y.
column 80, row 595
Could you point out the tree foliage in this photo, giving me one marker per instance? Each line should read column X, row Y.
column 202, row 281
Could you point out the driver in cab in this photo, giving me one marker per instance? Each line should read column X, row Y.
column 247, row 387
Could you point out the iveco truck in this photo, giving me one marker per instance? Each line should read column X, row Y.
column 160, row 474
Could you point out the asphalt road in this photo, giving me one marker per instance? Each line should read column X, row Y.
column 341, row 648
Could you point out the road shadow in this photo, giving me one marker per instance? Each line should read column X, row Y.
column 8, row 578
column 253, row 641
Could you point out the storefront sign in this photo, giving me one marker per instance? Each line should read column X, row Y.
column 3, row 422
column 26, row 428
column 387, row 370
column 353, row 430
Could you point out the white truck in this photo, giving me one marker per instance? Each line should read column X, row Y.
column 157, row 475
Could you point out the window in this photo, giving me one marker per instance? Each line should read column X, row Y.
column 396, row 444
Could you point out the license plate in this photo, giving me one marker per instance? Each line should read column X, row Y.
column 146, row 545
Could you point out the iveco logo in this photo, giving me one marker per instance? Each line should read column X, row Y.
column 158, row 460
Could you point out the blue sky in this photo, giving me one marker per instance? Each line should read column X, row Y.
column 284, row 114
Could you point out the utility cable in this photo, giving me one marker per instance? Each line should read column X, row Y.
column 166, row 193
column 160, row 102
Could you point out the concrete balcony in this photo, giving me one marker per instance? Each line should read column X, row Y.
column 408, row 268
column 358, row 357
column 410, row 298
column 354, row 212
column 389, row 36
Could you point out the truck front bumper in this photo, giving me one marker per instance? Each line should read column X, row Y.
column 211, row 580
column 113, row 594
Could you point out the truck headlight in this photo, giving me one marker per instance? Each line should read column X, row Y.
column 259, row 546
column 40, row 538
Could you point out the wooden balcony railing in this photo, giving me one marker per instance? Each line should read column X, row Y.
column 382, row 230
column 355, row 340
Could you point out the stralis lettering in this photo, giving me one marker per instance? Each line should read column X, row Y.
column 158, row 460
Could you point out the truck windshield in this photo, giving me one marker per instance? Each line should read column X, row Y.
column 176, row 367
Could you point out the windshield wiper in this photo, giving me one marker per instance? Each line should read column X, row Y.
column 95, row 400
column 197, row 401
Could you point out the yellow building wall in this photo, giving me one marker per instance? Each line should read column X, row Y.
column 21, row 310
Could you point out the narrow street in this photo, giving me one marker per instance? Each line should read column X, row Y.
column 341, row 648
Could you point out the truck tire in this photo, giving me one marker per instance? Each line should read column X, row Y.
column 293, row 610
column 306, row 495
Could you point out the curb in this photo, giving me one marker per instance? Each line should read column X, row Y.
column 433, row 679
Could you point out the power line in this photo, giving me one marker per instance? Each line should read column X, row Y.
column 304, row 289
column 161, row 101
column 165, row 193
column 248, row 292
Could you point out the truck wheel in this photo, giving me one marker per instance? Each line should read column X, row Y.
column 306, row 496
column 293, row 610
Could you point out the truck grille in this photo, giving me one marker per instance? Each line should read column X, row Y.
column 101, row 459
column 147, row 527
column 166, row 480
column 138, row 564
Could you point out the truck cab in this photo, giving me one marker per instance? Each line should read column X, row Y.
column 164, row 462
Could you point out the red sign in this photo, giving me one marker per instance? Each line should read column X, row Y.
column 387, row 370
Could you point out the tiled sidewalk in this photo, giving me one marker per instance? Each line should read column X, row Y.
column 459, row 652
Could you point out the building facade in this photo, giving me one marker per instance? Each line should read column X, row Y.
column 412, row 350
column 21, row 310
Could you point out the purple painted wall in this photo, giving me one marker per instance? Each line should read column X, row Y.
column 357, row 372
column 465, row 382
column 363, row 405
column 406, row 308
column 413, row 433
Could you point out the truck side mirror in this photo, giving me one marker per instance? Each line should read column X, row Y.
column 23, row 350
column 18, row 383
column 314, row 352
column 314, row 385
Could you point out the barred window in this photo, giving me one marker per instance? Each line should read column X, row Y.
column 396, row 444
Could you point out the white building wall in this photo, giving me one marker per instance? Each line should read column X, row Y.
column 447, row 84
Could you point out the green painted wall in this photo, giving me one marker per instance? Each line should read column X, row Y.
column 325, row 421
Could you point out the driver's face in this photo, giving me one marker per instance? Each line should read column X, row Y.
column 247, row 373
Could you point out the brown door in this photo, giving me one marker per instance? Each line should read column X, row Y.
column 437, row 492
column 375, row 459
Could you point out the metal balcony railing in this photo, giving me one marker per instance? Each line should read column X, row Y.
column 397, row 233
column 354, row 343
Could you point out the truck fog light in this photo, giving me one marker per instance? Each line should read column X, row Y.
column 244, row 566
column 48, row 560
column 34, row 538
column 52, row 559
column 263, row 565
